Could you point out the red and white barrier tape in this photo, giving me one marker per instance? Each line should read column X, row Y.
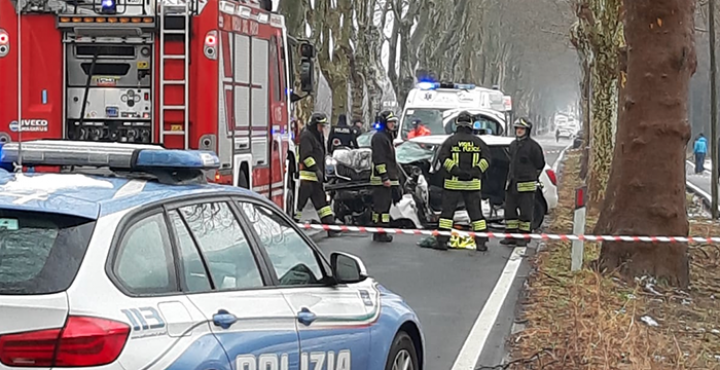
column 492, row 235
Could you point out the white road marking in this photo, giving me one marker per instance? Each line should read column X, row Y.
column 475, row 342
column 695, row 187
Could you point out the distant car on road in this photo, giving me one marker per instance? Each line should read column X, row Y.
column 146, row 266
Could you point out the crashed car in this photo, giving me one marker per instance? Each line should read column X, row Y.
column 349, row 186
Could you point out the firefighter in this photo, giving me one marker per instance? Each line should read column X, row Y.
column 312, row 171
column 465, row 158
column 385, row 172
column 342, row 135
column 526, row 164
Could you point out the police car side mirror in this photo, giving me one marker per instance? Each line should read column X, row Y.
column 347, row 269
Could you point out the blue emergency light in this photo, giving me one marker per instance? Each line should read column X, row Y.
column 108, row 6
column 118, row 156
column 427, row 85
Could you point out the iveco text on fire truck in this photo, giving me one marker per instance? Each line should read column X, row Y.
column 186, row 74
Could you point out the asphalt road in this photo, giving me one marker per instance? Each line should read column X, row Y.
column 447, row 289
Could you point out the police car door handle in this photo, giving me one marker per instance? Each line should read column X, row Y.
column 224, row 319
column 306, row 317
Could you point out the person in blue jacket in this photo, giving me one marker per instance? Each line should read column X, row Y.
column 700, row 151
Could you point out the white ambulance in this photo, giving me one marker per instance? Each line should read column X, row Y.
column 428, row 103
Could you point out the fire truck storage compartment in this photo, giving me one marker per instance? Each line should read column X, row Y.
column 119, row 104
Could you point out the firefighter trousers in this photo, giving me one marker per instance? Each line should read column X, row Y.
column 473, row 205
column 519, row 208
column 313, row 191
column 382, row 201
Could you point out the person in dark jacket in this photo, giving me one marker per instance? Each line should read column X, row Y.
column 526, row 164
column 384, row 178
column 312, row 171
column 358, row 127
column 465, row 157
column 341, row 135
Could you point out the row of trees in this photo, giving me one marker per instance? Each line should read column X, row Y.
column 635, row 61
column 369, row 50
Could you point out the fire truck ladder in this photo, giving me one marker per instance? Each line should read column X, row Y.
column 184, row 10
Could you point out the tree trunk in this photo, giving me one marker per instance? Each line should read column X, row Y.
column 654, row 130
column 604, row 112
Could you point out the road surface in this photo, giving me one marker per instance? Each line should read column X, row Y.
column 448, row 289
column 700, row 183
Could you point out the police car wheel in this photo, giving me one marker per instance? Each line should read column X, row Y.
column 403, row 355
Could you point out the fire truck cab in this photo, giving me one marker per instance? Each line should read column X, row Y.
column 185, row 74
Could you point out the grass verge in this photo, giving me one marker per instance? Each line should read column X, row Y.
column 585, row 320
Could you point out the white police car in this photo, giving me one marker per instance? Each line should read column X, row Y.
column 148, row 267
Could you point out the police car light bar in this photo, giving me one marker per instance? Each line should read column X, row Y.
column 112, row 155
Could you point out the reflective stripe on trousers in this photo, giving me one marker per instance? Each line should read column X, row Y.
column 479, row 225
column 384, row 218
column 445, row 224
column 455, row 184
column 325, row 211
column 308, row 176
column 523, row 187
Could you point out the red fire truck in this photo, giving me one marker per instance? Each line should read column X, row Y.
column 186, row 74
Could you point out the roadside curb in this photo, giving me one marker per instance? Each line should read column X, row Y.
column 556, row 166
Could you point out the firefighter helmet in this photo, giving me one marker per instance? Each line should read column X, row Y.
column 384, row 117
column 320, row 118
column 388, row 116
column 464, row 119
column 523, row 123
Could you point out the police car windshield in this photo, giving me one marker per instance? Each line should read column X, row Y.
column 40, row 253
column 431, row 118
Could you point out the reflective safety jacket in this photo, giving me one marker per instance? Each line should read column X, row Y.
column 312, row 156
column 465, row 158
column 419, row 131
column 526, row 164
column 383, row 157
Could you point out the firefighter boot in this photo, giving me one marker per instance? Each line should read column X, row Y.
column 481, row 244
column 382, row 238
column 510, row 242
column 442, row 242
column 328, row 220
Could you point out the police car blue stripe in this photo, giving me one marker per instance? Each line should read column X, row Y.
column 374, row 348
